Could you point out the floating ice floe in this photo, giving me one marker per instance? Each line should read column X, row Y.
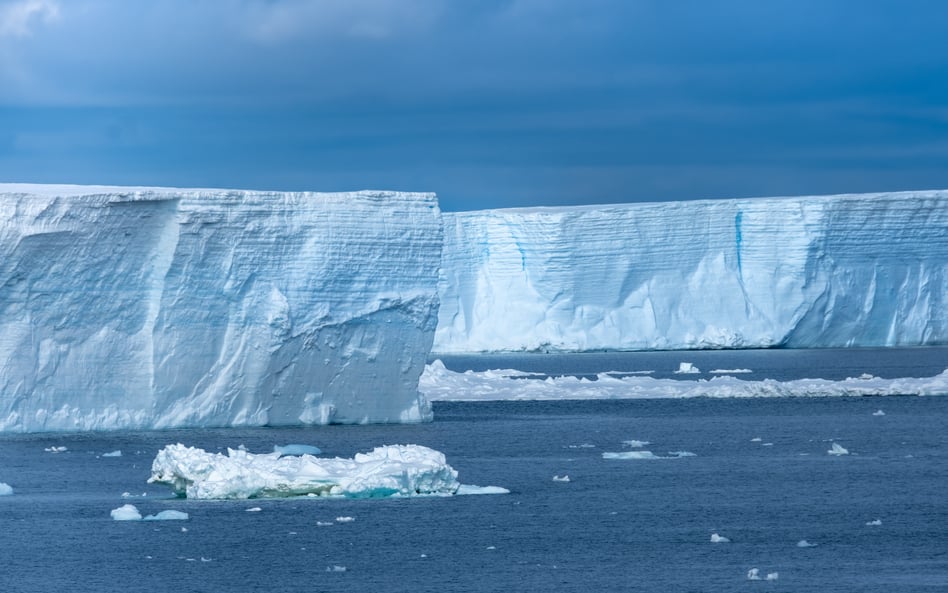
column 169, row 515
column 296, row 450
column 345, row 519
column 645, row 455
column 253, row 510
column 686, row 368
column 756, row 440
column 838, row 450
column 336, row 568
column 636, row 444
column 437, row 383
column 754, row 575
column 55, row 449
column 126, row 512
column 393, row 470
column 5, row 489
column 467, row 489
column 564, row 478
column 719, row 539
column 115, row 453
column 878, row 413
column 874, row 522
column 805, row 544
column 730, row 371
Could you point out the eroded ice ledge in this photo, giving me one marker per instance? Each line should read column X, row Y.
column 155, row 307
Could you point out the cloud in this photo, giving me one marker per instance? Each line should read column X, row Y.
column 18, row 18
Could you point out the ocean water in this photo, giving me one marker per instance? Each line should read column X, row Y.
column 616, row 525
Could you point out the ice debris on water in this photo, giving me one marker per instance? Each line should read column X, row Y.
column 838, row 450
column 805, row 544
column 719, row 539
column 115, row 453
column 345, row 519
column 754, row 575
column 285, row 450
column 126, row 512
column 878, row 413
column 5, row 489
column 756, row 440
column 636, row 444
column 254, row 510
column 874, row 522
column 644, row 454
column 686, row 368
column 55, row 449
column 336, row 568
column 169, row 515
column 563, row 478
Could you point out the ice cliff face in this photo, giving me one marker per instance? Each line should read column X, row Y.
column 849, row 270
column 152, row 308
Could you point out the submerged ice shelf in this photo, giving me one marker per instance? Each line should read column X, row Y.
column 826, row 271
column 157, row 307
column 440, row 384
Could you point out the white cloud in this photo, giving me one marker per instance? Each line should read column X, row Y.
column 18, row 18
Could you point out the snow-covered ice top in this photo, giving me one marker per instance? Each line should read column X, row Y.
column 440, row 384
column 159, row 307
column 393, row 470
column 825, row 271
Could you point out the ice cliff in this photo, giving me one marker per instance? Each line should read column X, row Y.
column 847, row 270
column 153, row 308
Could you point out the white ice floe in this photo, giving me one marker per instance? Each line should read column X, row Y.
column 754, row 575
column 805, row 544
column 126, row 512
column 254, row 510
column 345, row 519
column 645, row 455
column 636, row 444
column 878, row 413
column 393, row 470
column 874, row 522
column 5, row 489
column 719, row 539
column 115, row 453
column 686, row 368
column 730, row 371
column 169, row 515
column 55, row 449
column 563, row 478
column 440, row 384
column 336, row 568
column 324, row 523
column 756, row 440
column 838, row 450
column 296, row 450
column 467, row 489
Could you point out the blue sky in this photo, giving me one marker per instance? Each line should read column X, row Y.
column 489, row 103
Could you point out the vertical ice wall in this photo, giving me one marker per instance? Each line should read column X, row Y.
column 151, row 307
column 851, row 270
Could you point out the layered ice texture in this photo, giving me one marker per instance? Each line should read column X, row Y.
column 392, row 470
column 155, row 308
column 830, row 271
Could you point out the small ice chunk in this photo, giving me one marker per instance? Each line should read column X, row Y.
column 184, row 530
column 756, row 440
column 254, row 510
column 5, row 489
column 491, row 548
column 629, row 455
column 55, row 449
column 731, row 371
column 324, row 523
column 679, row 454
column 126, row 512
column 753, row 574
column 878, row 413
column 115, row 453
column 719, row 539
column 169, row 515
column 203, row 559
column 767, row 445
column 805, row 544
column 466, row 489
column 865, row 377
column 345, row 519
column 686, row 368
column 773, row 576
column 335, row 568
column 582, row 446
column 838, row 450
column 564, row 478
column 285, row 450
column 874, row 522
column 636, row 444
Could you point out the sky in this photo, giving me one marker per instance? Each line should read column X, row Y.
column 488, row 103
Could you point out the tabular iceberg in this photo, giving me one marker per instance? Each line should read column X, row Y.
column 154, row 307
column 827, row 271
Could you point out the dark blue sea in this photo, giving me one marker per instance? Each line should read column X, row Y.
column 876, row 519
